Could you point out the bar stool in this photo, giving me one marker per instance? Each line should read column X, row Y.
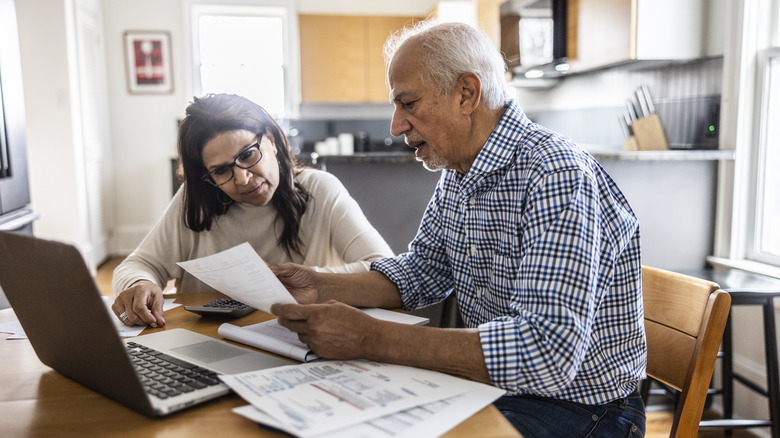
column 747, row 288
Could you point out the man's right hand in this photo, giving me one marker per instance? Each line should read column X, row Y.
column 300, row 281
column 140, row 304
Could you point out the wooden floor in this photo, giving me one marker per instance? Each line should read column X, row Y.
column 659, row 420
column 659, row 423
column 104, row 274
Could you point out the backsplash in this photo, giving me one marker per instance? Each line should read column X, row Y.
column 586, row 107
column 689, row 123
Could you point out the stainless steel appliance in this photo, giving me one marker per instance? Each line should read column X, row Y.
column 15, row 214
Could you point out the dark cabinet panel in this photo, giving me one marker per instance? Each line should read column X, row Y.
column 14, row 189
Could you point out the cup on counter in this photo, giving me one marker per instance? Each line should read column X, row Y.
column 346, row 144
column 321, row 148
column 330, row 146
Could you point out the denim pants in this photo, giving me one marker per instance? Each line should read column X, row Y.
column 540, row 417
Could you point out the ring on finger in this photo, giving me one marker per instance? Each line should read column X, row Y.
column 123, row 316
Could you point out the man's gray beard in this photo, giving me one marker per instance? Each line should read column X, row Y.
column 433, row 163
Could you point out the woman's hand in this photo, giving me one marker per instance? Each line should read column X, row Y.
column 140, row 304
column 300, row 281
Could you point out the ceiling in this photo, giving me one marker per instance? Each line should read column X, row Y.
column 367, row 7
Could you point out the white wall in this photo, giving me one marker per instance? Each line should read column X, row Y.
column 143, row 126
column 51, row 140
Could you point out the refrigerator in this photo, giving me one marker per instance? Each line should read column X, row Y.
column 15, row 213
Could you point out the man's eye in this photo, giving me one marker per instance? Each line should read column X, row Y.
column 408, row 104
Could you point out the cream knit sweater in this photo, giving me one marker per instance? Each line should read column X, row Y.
column 335, row 235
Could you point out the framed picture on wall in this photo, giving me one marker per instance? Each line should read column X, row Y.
column 148, row 58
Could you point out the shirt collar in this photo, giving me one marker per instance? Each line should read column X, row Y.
column 501, row 147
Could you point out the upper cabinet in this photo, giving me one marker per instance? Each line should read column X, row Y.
column 341, row 57
column 585, row 35
column 610, row 32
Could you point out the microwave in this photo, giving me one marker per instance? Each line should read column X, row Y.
column 533, row 33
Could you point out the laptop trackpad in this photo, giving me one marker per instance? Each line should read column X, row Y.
column 208, row 351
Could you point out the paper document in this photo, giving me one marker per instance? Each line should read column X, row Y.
column 241, row 274
column 428, row 420
column 271, row 336
column 315, row 398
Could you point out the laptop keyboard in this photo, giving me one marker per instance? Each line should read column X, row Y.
column 165, row 376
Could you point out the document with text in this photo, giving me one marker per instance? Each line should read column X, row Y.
column 312, row 399
column 428, row 420
column 241, row 274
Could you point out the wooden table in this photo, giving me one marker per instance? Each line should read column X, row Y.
column 37, row 401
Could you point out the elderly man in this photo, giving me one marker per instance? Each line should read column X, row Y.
column 537, row 242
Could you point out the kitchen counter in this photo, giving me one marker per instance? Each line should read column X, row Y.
column 670, row 155
column 599, row 153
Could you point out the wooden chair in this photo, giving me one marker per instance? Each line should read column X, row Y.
column 684, row 321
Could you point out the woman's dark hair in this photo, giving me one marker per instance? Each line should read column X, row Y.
column 208, row 116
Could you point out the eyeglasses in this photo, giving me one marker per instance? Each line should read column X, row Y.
column 245, row 159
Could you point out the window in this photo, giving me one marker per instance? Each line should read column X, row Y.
column 765, row 239
column 748, row 229
column 246, row 50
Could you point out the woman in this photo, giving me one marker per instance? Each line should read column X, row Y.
column 241, row 184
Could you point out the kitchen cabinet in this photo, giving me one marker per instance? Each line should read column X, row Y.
column 341, row 57
column 611, row 32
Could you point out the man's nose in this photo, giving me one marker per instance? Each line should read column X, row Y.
column 399, row 124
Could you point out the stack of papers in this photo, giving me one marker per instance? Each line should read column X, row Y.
column 351, row 399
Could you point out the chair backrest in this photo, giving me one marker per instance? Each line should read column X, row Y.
column 684, row 321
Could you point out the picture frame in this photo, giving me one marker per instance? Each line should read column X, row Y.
column 148, row 59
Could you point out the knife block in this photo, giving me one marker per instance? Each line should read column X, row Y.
column 649, row 134
column 629, row 144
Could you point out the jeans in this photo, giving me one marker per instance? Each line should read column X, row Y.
column 540, row 417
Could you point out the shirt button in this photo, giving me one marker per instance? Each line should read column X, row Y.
column 472, row 201
column 595, row 417
column 473, row 250
column 479, row 294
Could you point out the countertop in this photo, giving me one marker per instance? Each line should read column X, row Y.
column 600, row 155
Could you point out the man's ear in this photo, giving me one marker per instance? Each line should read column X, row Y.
column 470, row 89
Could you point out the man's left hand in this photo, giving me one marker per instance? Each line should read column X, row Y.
column 332, row 330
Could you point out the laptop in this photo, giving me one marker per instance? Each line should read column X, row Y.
column 60, row 308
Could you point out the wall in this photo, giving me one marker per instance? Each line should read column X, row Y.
column 143, row 127
column 50, row 96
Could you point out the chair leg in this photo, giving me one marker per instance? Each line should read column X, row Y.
column 727, row 373
column 644, row 389
column 773, row 380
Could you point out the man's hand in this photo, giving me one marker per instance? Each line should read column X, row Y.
column 140, row 304
column 332, row 330
column 301, row 281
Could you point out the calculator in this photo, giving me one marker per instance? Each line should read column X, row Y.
column 222, row 307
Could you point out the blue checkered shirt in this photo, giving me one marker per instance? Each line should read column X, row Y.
column 542, row 251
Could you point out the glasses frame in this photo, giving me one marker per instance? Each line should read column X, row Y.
column 209, row 179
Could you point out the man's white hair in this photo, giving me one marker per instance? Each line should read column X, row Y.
column 451, row 49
